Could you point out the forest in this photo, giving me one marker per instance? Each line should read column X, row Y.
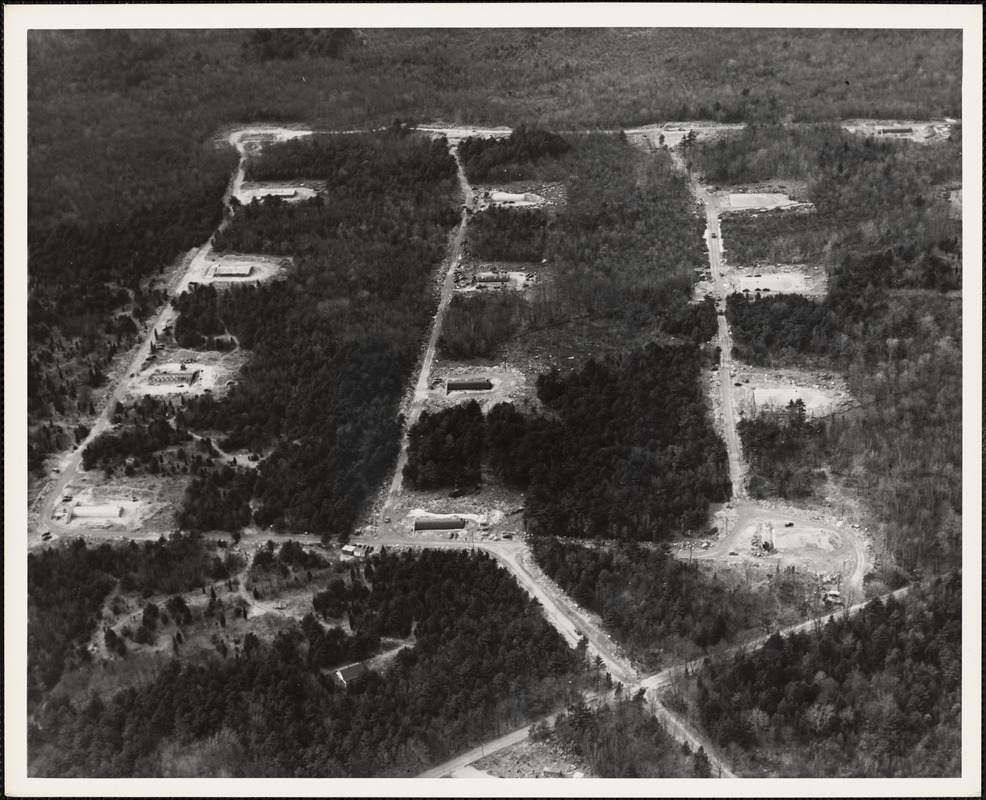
column 513, row 158
column 475, row 324
column 445, row 448
column 124, row 172
column 66, row 587
column 628, row 452
column 875, row 695
column 625, row 449
column 901, row 354
column 507, row 234
column 784, row 452
column 198, row 323
column 891, row 321
column 333, row 344
column 623, row 739
column 662, row 609
column 484, row 660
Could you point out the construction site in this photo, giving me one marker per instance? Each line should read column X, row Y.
column 249, row 191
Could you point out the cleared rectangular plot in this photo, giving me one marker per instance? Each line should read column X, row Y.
column 743, row 201
column 781, row 282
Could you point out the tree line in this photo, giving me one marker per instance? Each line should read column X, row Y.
column 510, row 158
column 446, row 448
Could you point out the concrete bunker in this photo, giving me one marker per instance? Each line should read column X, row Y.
column 106, row 511
column 474, row 385
column 439, row 523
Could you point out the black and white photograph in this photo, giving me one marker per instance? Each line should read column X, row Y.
column 526, row 400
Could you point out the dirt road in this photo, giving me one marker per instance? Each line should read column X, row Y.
column 415, row 403
column 743, row 505
column 72, row 461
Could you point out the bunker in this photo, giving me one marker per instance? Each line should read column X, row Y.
column 439, row 523
column 98, row 512
column 481, row 385
column 233, row 271
column 173, row 378
column 493, row 277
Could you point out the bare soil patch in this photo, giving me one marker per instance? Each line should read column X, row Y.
column 819, row 540
column 760, row 200
column 912, row 130
column 519, row 195
column 226, row 270
column 249, row 191
column 822, row 392
column 649, row 136
column 214, row 373
column 516, row 275
column 509, row 385
column 532, row 760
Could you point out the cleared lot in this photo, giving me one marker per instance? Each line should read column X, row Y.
column 247, row 192
column 226, row 270
column 745, row 201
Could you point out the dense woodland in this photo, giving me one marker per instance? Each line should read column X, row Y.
column 484, row 660
column 876, row 695
column 445, row 448
column 784, row 452
column 622, row 739
column 333, row 344
column 628, row 451
column 124, row 173
column 198, row 323
column 66, row 587
column 508, row 234
column 511, row 159
column 474, row 324
column 901, row 354
column 127, row 167
column 662, row 609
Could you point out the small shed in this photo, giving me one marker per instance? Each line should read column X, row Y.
column 347, row 675
column 476, row 385
column 439, row 523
